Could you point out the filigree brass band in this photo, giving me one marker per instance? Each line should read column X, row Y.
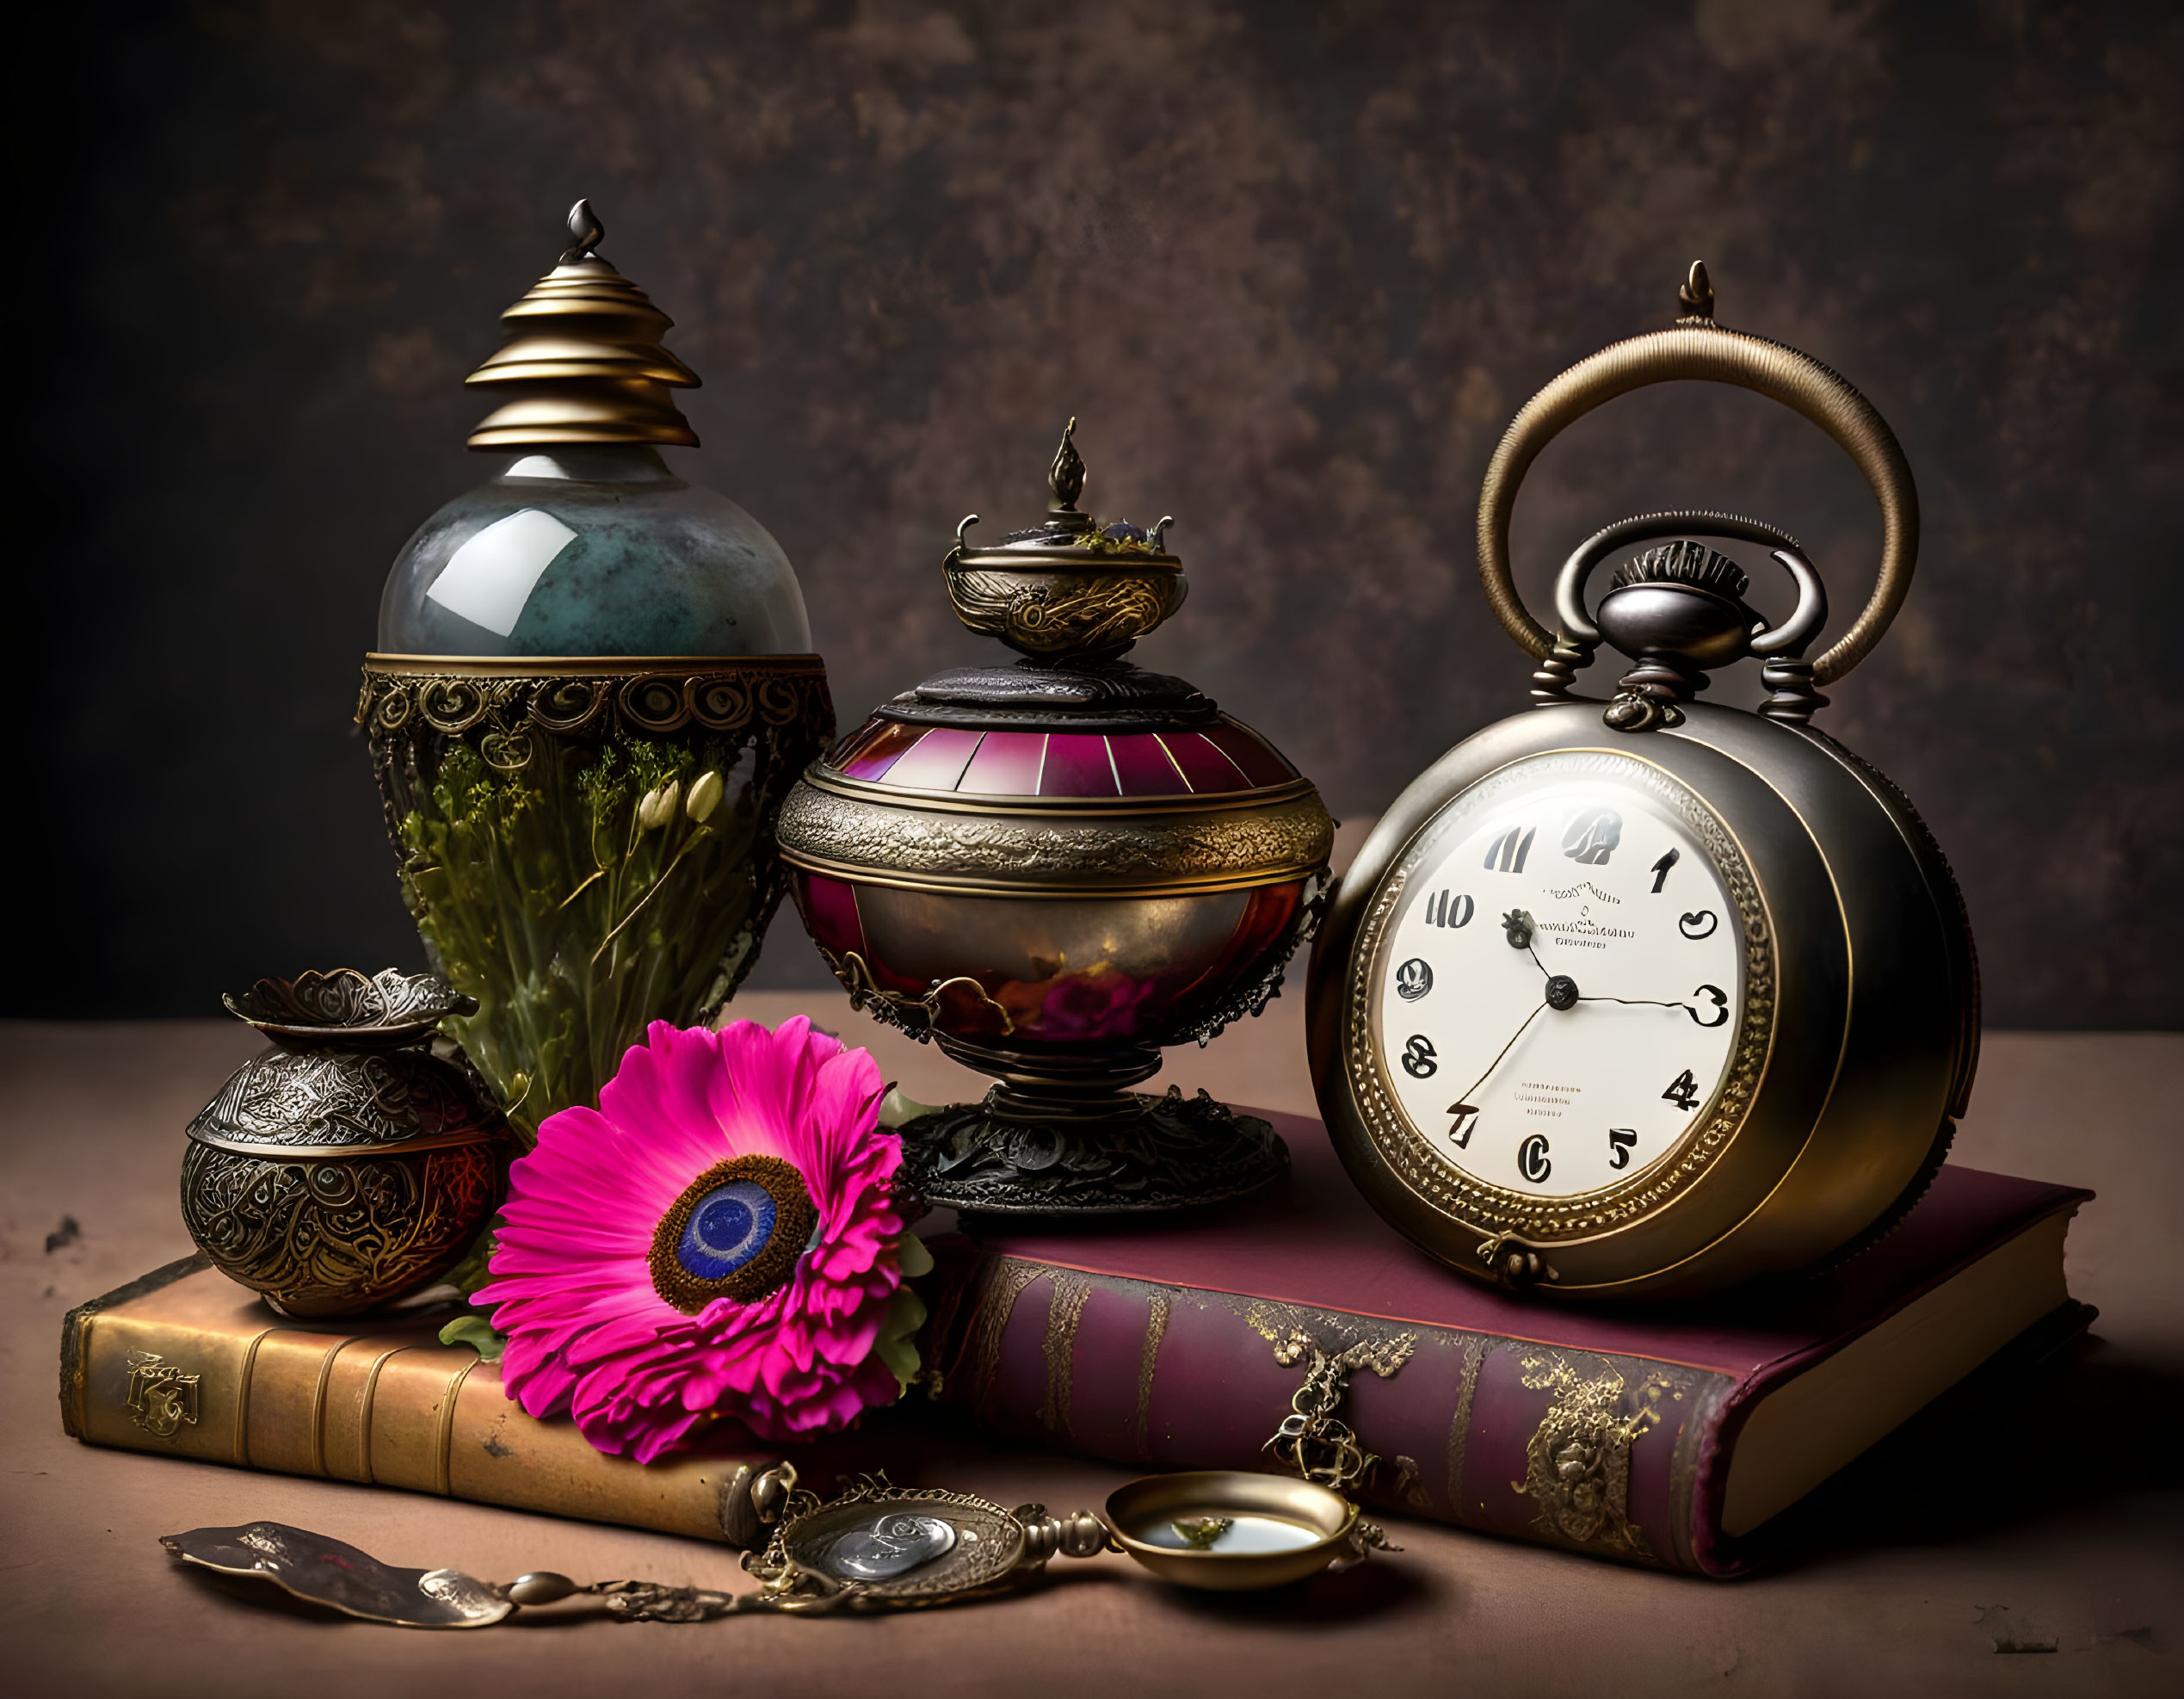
column 591, row 696
column 1062, row 849
column 1503, row 1218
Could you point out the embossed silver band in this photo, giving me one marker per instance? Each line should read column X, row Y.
column 1056, row 852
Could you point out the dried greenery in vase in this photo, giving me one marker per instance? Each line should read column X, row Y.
column 583, row 895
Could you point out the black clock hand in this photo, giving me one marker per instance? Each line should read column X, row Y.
column 1520, row 925
column 1561, row 989
column 1720, row 998
column 1464, row 1102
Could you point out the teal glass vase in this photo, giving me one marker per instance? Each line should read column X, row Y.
column 592, row 689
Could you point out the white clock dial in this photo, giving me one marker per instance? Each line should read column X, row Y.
column 1556, row 996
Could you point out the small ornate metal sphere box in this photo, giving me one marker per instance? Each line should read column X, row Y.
column 1647, row 997
column 348, row 1165
column 1055, row 868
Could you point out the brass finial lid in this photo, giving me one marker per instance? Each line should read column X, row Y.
column 1065, row 478
column 583, row 362
column 1073, row 587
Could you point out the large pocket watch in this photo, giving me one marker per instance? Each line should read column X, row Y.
column 1647, row 997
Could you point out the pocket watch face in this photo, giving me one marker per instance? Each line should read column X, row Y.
column 1557, row 982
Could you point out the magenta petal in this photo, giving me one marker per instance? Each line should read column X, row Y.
column 572, row 1285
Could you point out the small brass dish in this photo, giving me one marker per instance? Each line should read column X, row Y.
column 1231, row 1530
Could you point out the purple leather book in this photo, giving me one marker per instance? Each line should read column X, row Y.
column 1669, row 1436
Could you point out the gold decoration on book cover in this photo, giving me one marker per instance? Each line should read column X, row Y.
column 1578, row 1462
column 162, row 1398
column 1067, row 1293
column 1311, row 1440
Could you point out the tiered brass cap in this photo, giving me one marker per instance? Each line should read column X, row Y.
column 583, row 362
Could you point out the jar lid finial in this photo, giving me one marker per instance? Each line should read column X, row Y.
column 1065, row 478
column 583, row 360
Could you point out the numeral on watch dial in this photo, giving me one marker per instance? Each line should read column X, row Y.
column 1536, row 952
column 1452, row 909
column 1507, row 853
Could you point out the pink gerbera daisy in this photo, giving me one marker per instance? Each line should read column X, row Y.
column 717, row 1239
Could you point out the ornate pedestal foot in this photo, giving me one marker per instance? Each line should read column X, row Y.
column 1147, row 1155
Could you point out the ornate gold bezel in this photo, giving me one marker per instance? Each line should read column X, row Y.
column 1492, row 1209
column 987, row 1559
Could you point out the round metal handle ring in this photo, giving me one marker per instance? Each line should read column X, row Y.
column 1708, row 353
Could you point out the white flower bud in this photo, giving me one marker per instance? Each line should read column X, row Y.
column 704, row 795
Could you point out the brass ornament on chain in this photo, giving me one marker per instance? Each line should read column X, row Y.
column 869, row 1548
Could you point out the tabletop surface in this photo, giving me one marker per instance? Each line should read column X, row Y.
column 2057, row 1517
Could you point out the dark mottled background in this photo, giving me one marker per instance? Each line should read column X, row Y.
column 1294, row 266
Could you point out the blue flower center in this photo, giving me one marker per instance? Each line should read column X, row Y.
column 737, row 1233
column 728, row 1228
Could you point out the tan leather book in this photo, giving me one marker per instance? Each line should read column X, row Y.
column 186, row 1363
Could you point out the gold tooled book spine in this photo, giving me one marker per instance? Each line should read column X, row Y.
column 186, row 1363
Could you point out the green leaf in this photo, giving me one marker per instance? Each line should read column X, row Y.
column 481, row 1336
column 897, row 1345
column 896, row 1107
column 912, row 1257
